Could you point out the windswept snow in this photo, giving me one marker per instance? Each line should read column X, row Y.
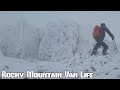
column 103, row 67
column 56, row 47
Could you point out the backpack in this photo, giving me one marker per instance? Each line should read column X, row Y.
column 96, row 32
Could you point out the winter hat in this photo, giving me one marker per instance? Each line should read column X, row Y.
column 102, row 25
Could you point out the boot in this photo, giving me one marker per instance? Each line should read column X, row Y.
column 104, row 52
column 94, row 52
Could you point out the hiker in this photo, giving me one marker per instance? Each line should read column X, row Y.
column 99, row 37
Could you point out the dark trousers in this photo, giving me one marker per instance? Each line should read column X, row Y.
column 98, row 45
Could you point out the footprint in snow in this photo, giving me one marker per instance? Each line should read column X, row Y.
column 105, row 62
column 118, row 76
column 106, row 73
column 115, row 68
column 5, row 68
column 93, row 68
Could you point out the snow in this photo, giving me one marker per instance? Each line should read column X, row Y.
column 57, row 46
column 102, row 67
column 60, row 41
column 17, row 41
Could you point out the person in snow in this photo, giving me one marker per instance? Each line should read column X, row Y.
column 100, row 39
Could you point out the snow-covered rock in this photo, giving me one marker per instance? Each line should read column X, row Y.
column 60, row 41
column 21, row 41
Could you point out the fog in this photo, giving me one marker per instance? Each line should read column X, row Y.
column 65, row 43
column 43, row 17
column 85, row 18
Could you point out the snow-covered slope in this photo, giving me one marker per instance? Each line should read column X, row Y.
column 103, row 67
column 58, row 47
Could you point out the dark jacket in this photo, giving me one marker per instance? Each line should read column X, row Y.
column 104, row 29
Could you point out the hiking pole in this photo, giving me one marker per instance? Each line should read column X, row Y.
column 115, row 46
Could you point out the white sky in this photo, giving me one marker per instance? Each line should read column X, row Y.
column 41, row 17
column 37, row 18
